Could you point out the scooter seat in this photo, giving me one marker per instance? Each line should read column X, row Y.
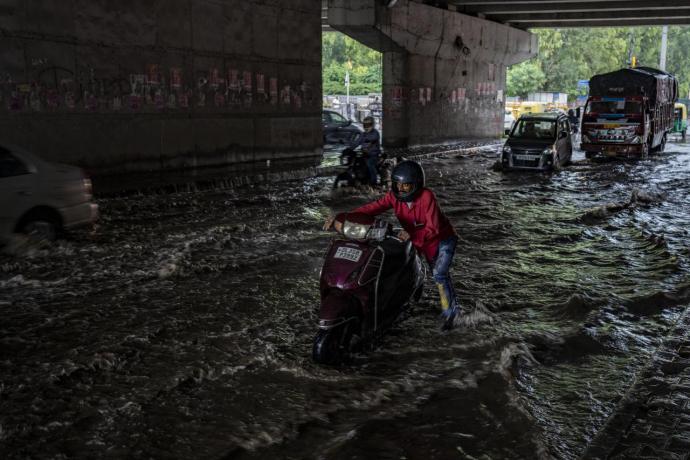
column 397, row 254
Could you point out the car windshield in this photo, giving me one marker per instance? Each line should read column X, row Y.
column 534, row 129
column 337, row 118
column 10, row 165
column 615, row 107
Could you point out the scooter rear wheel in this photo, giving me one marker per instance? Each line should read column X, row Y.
column 334, row 346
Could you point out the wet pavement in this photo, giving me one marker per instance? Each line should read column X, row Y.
column 181, row 326
column 652, row 421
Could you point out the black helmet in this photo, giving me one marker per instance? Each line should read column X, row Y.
column 368, row 121
column 407, row 172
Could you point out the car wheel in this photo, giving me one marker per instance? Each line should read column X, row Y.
column 40, row 226
column 557, row 163
column 569, row 161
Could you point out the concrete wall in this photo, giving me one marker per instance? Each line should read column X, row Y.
column 444, row 72
column 132, row 86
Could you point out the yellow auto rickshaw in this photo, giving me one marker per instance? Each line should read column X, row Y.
column 514, row 108
column 680, row 119
column 530, row 107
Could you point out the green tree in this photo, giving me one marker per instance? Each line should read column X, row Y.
column 568, row 55
column 339, row 51
column 524, row 78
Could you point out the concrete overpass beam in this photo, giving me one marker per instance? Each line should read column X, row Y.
column 444, row 72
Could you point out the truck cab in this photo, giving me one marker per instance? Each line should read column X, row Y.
column 615, row 126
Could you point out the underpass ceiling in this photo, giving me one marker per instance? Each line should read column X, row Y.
column 528, row 14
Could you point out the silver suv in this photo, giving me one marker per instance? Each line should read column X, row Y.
column 40, row 198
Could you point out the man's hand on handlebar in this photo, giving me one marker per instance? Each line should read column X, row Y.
column 333, row 224
column 329, row 223
column 403, row 235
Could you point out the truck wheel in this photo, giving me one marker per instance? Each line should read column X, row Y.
column 659, row 148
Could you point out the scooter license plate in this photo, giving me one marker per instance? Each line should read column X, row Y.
column 351, row 254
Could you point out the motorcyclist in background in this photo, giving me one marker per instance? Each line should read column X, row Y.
column 574, row 121
column 370, row 140
column 425, row 225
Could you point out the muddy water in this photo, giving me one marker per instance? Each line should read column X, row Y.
column 181, row 326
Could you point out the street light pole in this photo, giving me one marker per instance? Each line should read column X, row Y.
column 347, row 93
column 664, row 41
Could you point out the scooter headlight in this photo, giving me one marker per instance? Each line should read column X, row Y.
column 355, row 231
column 377, row 234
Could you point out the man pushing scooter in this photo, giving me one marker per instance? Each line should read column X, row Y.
column 424, row 224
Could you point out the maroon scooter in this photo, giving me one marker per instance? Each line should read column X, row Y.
column 368, row 278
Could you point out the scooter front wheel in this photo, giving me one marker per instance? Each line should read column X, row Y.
column 334, row 346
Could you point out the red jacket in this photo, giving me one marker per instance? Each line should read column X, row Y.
column 424, row 220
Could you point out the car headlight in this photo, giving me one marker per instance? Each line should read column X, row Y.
column 506, row 149
column 636, row 140
column 547, row 151
column 355, row 231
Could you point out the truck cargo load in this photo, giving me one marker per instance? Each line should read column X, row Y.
column 656, row 84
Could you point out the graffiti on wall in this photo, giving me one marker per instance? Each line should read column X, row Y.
column 154, row 89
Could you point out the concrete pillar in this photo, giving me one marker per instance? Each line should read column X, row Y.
column 395, row 110
column 444, row 72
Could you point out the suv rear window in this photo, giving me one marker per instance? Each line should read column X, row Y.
column 11, row 165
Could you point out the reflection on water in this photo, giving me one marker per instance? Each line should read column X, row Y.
column 181, row 327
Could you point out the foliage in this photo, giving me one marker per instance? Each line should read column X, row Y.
column 526, row 77
column 341, row 52
column 568, row 55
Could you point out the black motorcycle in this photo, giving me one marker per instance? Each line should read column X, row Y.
column 357, row 172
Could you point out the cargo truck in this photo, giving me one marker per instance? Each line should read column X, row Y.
column 629, row 113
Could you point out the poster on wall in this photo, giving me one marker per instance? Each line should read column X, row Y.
column 214, row 78
column 175, row 78
column 247, row 80
column 233, row 80
column 152, row 74
column 260, row 86
column 273, row 89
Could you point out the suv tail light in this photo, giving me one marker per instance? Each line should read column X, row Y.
column 88, row 185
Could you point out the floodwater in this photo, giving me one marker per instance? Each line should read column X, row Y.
column 181, row 326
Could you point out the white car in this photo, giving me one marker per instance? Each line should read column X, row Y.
column 40, row 198
column 508, row 121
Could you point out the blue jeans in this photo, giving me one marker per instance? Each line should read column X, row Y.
column 441, row 272
column 372, row 161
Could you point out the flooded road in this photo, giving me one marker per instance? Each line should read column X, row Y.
column 181, row 327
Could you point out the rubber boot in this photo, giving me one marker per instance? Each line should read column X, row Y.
column 448, row 313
